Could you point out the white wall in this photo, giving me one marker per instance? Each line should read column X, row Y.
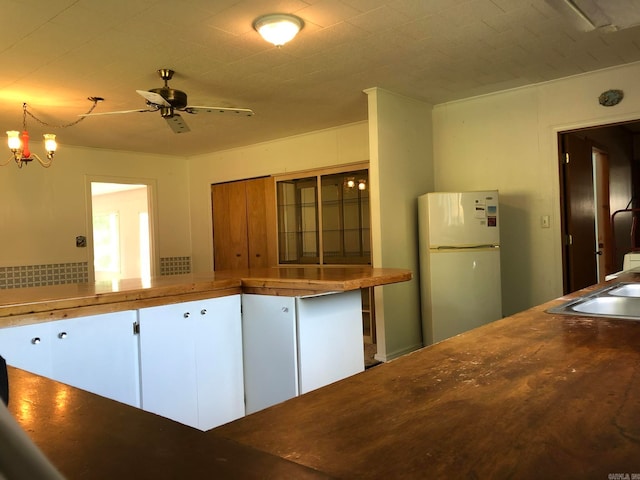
column 335, row 146
column 42, row 210
column 508, row 141
column 401, row 169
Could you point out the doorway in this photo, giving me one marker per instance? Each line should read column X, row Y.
column 596, row 170
column 121, row 236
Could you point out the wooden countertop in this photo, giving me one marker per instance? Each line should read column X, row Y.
column 29, row 305
column 91, row 437
column 534, row 395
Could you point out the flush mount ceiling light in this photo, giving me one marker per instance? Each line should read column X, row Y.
column 278, row 28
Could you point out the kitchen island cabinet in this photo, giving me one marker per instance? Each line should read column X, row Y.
column 191, row 361
column 98, row 353
column 530, row 396
column 293, row 345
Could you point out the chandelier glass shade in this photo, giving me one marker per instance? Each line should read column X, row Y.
column 18, row 142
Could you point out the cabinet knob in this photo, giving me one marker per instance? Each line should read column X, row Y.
column 35, row 340
column 238, row 254
column 258, row 255
column 186, row 315
column 203, row 311
column 285, row 309
column 62, row 335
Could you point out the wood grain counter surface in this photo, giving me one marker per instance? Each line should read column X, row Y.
column 30, row 305
column 534, row 395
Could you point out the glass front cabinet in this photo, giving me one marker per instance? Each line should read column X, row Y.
column 324, row 219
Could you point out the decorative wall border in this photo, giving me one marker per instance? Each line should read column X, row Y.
column 22, row 276
column 46, row 274
column 175, row 265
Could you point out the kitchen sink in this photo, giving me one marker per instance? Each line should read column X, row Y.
column 626, row 290
column 621, row 300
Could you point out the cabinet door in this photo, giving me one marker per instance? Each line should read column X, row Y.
column 261, row 222
column 28, row 347
column 269, row 350
column 99, row 354
column 330, row 338
column 168, row 362
column 218, row 350
column 229, row 225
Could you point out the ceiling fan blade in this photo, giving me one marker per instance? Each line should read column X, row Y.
column 118, row 112
column 154, row 98
column 177, row 124
column 238, row 111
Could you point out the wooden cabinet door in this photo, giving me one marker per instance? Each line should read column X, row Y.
column 244, row 224
column 230, row 226
column 261, row 222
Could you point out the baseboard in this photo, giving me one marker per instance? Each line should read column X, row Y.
column 398, row 353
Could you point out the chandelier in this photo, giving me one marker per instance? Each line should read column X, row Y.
column 19, row 141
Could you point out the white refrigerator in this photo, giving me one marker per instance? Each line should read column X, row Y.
column 459, row 262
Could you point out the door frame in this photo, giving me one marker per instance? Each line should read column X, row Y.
column 152, row 203
column 556, row 132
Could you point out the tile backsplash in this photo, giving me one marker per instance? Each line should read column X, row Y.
column 47, row 274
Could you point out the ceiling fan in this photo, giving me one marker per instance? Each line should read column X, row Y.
column 168, row 101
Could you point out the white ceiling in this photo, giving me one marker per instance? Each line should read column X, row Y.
column 56, row 53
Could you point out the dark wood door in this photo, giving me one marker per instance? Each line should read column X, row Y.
column 229, row 226
column 579, row 230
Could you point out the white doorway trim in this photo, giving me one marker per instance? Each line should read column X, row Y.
column 152, row 202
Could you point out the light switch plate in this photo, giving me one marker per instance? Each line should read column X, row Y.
column 544, row 221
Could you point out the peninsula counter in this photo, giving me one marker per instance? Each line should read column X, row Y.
column 534, row 395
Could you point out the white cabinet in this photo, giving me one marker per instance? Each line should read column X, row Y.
column 330, row 338
column 270, row 350
column 293, row 345
column 191, row 361
column 28, row 347
column 98, row 353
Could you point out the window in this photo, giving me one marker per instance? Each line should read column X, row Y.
column 106, row 239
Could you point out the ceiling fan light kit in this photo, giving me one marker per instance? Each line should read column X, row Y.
column 278, row 28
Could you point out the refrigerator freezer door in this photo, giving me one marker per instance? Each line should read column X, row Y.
column 464, row 291
column 461, row 219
